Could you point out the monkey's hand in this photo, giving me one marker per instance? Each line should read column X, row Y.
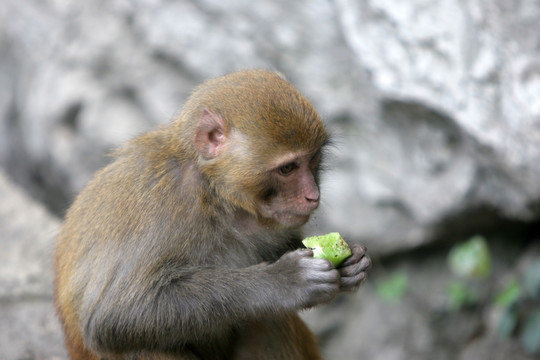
column 307, row 281
column 353, row 270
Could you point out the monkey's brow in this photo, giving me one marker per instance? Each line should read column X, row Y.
column 290, row 157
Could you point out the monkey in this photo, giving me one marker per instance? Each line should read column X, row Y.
column 187, row 245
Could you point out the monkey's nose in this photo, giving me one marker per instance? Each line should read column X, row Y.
column 312, row 196
column 313, row 200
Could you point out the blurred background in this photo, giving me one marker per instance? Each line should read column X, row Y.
column 435, row 107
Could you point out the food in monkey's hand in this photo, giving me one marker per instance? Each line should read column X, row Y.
column 330, row 246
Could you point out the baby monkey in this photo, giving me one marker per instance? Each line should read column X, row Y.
column 188, row 245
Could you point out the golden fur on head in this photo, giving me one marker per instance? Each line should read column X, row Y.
column 267, row 117
column 261, row 105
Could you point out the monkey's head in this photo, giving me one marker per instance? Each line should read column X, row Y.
column 259, row 143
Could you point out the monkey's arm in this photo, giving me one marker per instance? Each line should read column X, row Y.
column 194, row 304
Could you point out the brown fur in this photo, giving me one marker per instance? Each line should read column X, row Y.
column 184, row 246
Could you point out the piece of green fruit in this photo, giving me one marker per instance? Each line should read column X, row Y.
column 330, row 246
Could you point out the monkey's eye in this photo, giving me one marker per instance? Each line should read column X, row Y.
column 287, row 169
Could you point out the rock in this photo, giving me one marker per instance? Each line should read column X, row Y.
column 434, row 105
column 30, row 327
column 493, row 348
column 458, row 125
column 30, row 331
column 28, row 233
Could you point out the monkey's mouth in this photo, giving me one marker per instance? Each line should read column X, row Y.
column 293, row 219
column 287, row 217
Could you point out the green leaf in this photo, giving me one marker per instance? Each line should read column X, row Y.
column 459, row 295
column 471, row 259
column 530, row 336
column 509, row 295
column 393, row 288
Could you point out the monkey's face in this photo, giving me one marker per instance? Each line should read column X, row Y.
column 293, row 191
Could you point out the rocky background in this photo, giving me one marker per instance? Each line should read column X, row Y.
column 435, row 106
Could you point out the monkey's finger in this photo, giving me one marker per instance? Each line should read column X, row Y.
column 323, row 277
column 322, row 293
column 358, row 251
column 353, row 282
column 317, row 264
column 356, row 268
column 303, row 252
column 298, row 254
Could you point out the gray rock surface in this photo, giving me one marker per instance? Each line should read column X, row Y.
column 435, row 104
column 459, row 107
column 29, row 328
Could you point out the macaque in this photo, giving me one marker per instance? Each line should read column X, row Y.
column 188, row 245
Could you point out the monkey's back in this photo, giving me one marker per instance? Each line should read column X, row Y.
column 112, row 226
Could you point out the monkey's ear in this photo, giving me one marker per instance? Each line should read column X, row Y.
column 210, row 135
